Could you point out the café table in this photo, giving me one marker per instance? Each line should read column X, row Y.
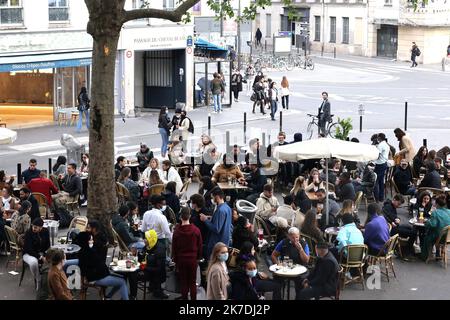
column 416, row 223
column 68, row 248
column 134, row 167
column 288, row 274
column 121, row 266
column 227, row 186
column 330, row 232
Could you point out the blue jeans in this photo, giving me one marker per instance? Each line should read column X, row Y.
column 273, row 108
column 80, row 119
column 380, row 170
column 165, row 141
column 118, row 284
column 217, row 102
column 70, row 262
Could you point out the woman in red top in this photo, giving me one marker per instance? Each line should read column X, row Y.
column 186, row 250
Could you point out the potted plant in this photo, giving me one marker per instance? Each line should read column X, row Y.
column 343, row 129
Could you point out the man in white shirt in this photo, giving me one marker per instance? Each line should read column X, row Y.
column 171, row 174
column 156, row 220
column 381, row 166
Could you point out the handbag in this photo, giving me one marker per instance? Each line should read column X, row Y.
column 253, row 97
column 172, row 283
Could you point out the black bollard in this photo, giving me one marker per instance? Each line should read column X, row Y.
column 406, row 115
column 209, row 125
column 281, row 121
column 334, row 52
column 49, row 167
column 360, row 123
column 245, row 127
column 19, row 173
column 425, row 143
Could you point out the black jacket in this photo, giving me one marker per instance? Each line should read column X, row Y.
column 36, row 244
column 417, row 164
column 325, row 110
column 101, row 245
column 164, row 122
column 240, row 235
column 92, row 264
column 431, row 180
column 236, row 82
column 241, row 287
column 173, row 202
column 389, row 211
column 156, row 261
column 402, row 178
column 302, row 201
column 122, row 229
column 143, row 163
column 346, row 191
column 34, row 213
column 72, row 184
column 256, row 181
column 28, row 175
column 324, row 275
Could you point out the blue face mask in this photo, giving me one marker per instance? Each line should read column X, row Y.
column 223, row 257
column 252, row 273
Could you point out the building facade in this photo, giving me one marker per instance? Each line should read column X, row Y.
column 372, row 28
column 46, row 56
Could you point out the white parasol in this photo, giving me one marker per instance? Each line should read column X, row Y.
column 7, row 136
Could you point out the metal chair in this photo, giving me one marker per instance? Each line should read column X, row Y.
column 441, row 244
column 85, row 285
column 184, row 189
column 11, row 236
column 353, row 257
column 385, row 254
column 358, row 199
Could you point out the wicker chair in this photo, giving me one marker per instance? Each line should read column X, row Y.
column 385, row 254
column 11, row 236
column 312, row 249
column 123, row 194
column 353, row 259
column 85, row 285
column 43, row 204
column 441, row 244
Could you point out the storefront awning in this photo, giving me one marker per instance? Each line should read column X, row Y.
column 205, row 45
column 45, row 61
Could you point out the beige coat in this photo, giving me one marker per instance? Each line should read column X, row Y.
column 264, row 206
column 218, row 281
column 407, row 149
column 221, row 174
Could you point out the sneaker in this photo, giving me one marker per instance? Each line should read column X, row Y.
column 348, row 276
column 84, row 204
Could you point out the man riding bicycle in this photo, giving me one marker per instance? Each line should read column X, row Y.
column 324, row 114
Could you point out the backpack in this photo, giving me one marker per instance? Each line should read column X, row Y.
column 64, row 217
column 417, row 52
column 191, row 126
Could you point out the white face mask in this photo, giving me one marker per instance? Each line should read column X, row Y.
column 91, row 244
column 163, row 208
column 191, row 206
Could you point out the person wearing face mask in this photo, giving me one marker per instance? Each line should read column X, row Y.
column 228, row 169
column 154, row 219
column 186, row 251
column 403, row 179
column 57, row 279
column 243, row 281
column 219, row 225
column 217, row 273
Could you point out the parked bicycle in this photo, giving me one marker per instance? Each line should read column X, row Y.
column 313, row 127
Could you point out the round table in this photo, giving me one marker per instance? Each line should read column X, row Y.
column 330, row 232
column 122, row 267
column 288, row 274
column 415, row 223
column 67, row 248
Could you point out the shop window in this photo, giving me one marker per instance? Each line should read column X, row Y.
column 317, row 28
column 169, row 4
column 11, row 12
column 345, row 30
column 58, row 10
column 333, row 29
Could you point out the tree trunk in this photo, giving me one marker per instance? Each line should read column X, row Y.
column 105, row 22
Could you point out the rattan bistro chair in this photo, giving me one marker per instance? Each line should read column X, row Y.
column 442, row 243
column 385, row 254
column 43, row 204
column 11, row 236
column 353, row 257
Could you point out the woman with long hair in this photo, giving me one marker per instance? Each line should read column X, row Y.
column 217, row 273
column 314, row 183
column 348, row 207
column 164, row 125
column 300, row 198
column 310, row 228
column 285, row 92
column 406, row 146
column 153, row 168
column 60, row 167
column 84, row 163
column 83, row 108
column 419, row 161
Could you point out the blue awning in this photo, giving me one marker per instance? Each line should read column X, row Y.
column 205, row 45
column 45, row 61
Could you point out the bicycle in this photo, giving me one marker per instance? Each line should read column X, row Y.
column 330, row 127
